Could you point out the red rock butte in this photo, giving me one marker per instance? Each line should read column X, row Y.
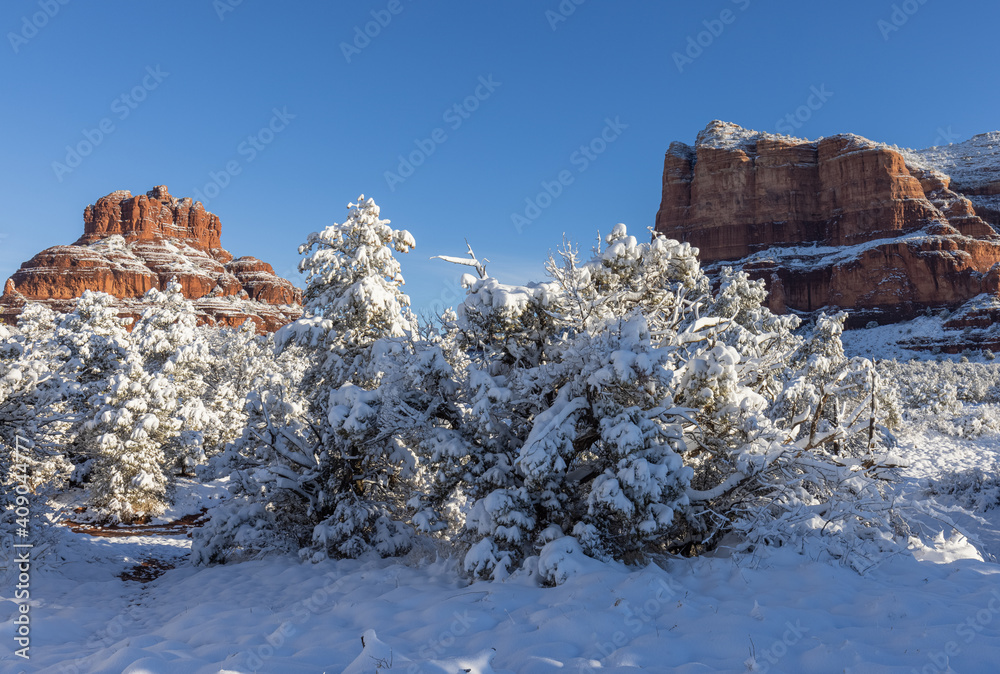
column 841, row 222
column 131, row 244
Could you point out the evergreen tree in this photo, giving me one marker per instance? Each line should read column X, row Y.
column 322, row 434
column 133, row 422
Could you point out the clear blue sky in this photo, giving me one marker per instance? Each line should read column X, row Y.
column 218, row 81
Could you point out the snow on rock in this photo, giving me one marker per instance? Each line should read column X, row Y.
column 841, row 222
column 973, row 164
column 721, row 135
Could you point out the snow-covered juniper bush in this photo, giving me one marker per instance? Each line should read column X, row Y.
column 621, row 402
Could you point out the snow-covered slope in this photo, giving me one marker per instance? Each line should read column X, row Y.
column 973, row 165
column 778, row 611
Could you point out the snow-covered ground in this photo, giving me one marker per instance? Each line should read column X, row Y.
column 885, row 341
column 781, row 611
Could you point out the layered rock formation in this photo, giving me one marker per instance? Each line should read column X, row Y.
column 131, row 244
column 838, row 223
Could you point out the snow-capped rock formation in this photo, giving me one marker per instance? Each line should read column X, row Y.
column 131, row 244
column 841, row 222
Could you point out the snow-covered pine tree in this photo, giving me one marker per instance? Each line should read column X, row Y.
column 32, row 467
column 94, row 336
column 789, row 443
column 542, row 455
column 269, row 465
column 18, row 462
column 324, row 439
column 94, row 342
column 354, row 281
column 234, row 364
column 498, row 332
column 60, row 361
column 134, row 433
column 26, row 384
column 167, row 326
column 170, row 343
column 135, row 418
column 579, row 432
column 762, row 338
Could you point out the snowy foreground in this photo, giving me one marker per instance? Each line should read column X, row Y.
column 933, row 611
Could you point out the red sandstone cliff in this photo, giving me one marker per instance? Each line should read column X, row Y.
column 841, row 222
column 131, row 244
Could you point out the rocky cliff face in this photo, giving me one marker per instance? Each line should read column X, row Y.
column 131, row 244
column 838, row 223
column 153, row 216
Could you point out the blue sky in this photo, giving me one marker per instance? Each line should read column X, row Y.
column 533, row 82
